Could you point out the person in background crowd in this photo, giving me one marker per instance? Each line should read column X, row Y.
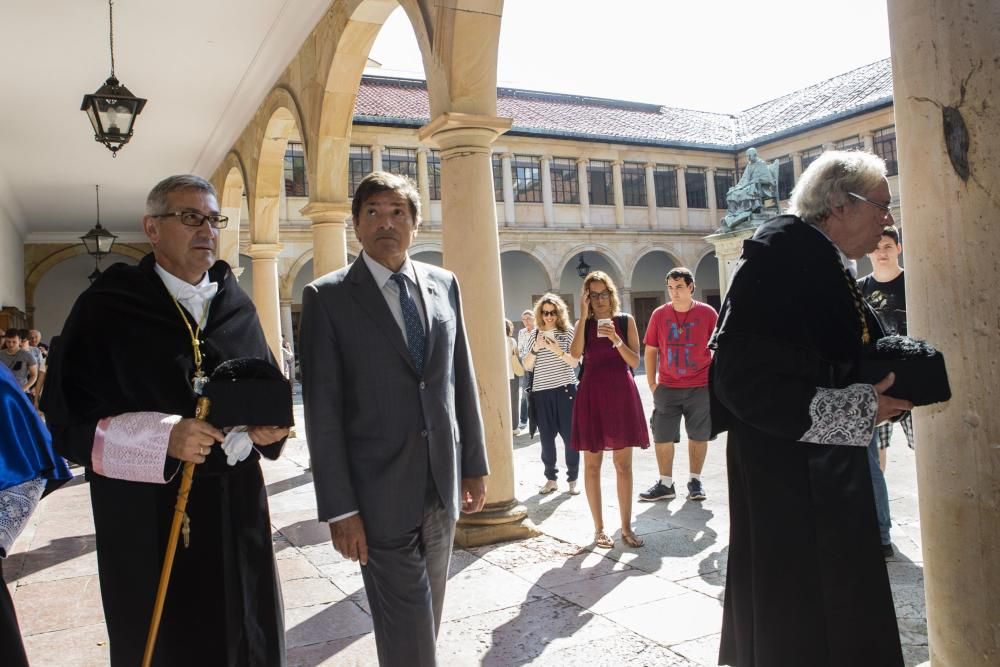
column 20, row 362
column 607, row 413
column 884, row 290
column 523, row 347
column 287, row 358
column 514, row 380
column 34, row 338
column 677, row 360
column 553, row 387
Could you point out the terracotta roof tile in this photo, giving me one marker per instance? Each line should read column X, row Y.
column 392, row 101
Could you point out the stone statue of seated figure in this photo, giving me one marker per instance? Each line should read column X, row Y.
column 759, row 182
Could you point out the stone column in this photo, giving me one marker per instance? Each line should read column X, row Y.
column 508, row 189
column 797, row 165
column 945, row 81
column 265, row 292
column 626, row 299
column 282, row 201
column 329, row 230
column 584, row 191
column 869, row 141
column 617, row 193
column 423, row 182
column 713, row 207
column 547, row 211
column 376, row 157
column 472, row 250
column 651, row 194
column 287, row 329
column 682, row 195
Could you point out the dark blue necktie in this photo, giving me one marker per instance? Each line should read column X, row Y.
column 411, row 320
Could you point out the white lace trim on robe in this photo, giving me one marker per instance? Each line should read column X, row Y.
column 133, row 446
column 16, row 505
column 842, row 416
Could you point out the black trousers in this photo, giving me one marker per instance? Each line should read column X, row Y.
column 11, row 647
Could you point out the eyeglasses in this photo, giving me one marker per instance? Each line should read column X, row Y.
column 596, row 296
column 885, row 209
column 194, row 219
column 549, row 313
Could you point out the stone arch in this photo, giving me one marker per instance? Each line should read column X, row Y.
column 288, row 282
column 706, row 278
column 537, row 255
column 231, row 202
column 39, row 270
column 283, row 118
column 601, row 249
column 424, row 246
column 634, row 262
column 340, row 72
column 519, row 283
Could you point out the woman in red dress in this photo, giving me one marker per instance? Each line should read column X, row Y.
column 607, row 414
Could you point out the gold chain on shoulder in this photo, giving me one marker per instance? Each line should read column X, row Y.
column 858, row 304
column 195, row 343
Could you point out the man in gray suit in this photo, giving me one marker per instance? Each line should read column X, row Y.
column 392, row 418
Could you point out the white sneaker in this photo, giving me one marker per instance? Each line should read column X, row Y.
column 521, row 431
column 573, row 491
column 550, row 486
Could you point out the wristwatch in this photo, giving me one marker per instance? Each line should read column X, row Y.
column 619, row 343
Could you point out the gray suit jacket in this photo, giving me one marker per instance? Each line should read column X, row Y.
column 376, row 430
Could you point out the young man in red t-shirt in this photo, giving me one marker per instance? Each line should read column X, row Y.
column 677, row 362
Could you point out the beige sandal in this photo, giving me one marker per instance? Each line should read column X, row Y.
column 632, row 540
column 602, row 540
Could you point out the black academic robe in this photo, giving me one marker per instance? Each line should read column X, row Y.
column 125, row 349
column 806, row 581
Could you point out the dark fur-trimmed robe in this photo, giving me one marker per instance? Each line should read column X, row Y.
column 125, row 349
column 806, row 581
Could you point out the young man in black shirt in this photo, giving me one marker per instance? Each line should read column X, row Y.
column 884, row 290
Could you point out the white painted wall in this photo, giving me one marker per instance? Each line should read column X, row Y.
column 11, row 264
column 61, row 285
column 523, row 277
column 651, row 271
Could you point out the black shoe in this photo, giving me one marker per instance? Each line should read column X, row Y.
column 887, row 551
column 695, row 490
column 658, row 492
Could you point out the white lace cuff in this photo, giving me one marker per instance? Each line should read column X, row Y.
column 133, row 446
column 16, row 505
column 842, row 416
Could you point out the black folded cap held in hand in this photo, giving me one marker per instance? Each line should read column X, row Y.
column 249, row 392
column 921, row 376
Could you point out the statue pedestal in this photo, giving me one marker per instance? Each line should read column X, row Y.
column 728, row 247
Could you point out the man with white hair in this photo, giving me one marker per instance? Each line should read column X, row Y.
column 806, row 582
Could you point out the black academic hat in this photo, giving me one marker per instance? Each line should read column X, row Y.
column 249, row 392
column 921, row 376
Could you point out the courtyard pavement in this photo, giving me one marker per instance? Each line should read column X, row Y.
column 552, row 600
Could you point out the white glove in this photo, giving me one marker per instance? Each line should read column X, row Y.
column 237, row 445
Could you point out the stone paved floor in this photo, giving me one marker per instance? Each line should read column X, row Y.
column 552, row 600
